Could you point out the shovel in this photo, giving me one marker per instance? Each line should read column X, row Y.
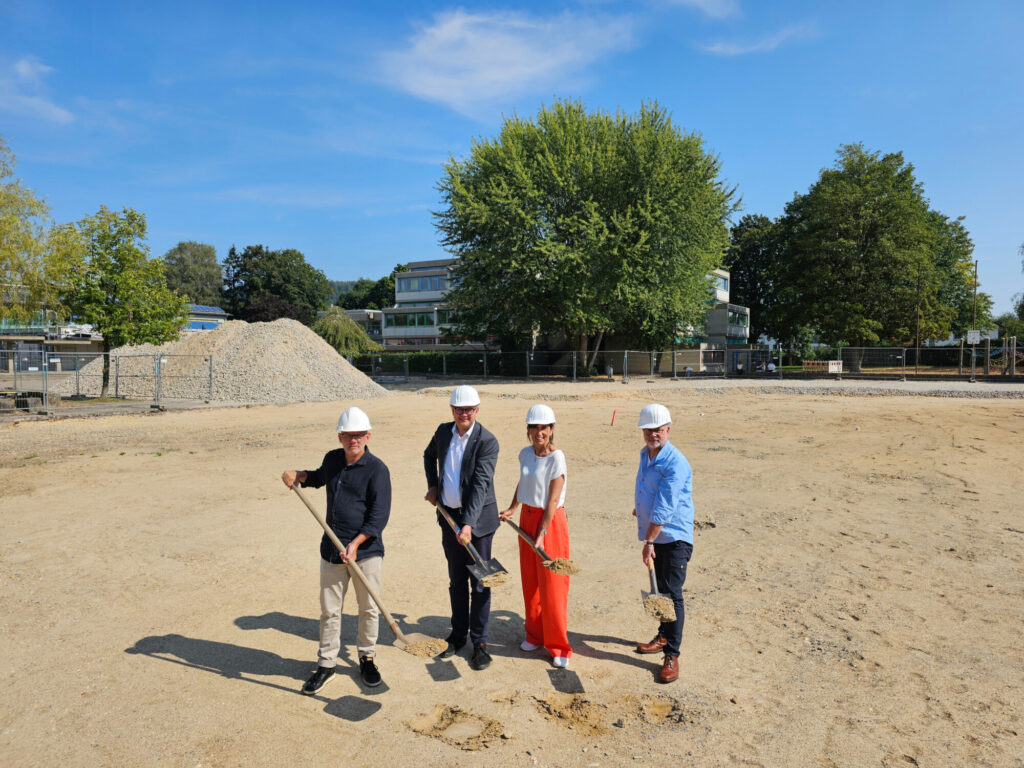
column 417, row 643
column 490, row 573
column 658, row 606
column 561, row 565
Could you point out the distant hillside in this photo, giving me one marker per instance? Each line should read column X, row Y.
column 339, row 287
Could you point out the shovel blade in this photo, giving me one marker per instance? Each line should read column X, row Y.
column 490, row 573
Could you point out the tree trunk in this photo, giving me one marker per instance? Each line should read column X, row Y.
column 597, row 345
column 856, row 359
column 105, row 388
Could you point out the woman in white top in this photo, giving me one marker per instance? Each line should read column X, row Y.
column 541, row 491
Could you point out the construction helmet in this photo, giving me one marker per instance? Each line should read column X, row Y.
column 540, row 414
column 354, row 420
column 464, row 396
column 654, row 416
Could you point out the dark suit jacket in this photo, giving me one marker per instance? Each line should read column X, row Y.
column 479, row 507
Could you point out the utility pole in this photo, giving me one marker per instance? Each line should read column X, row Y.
column 974, row 314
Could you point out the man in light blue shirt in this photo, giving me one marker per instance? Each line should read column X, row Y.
column 664, row 515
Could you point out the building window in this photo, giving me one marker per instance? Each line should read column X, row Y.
column 722, row 283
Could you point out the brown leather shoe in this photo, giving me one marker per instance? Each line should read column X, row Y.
column 655, row 646
column 669, row 669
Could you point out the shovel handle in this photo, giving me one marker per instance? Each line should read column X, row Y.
column 654, row 579
column 351, row 564
column 469, row 544
column 533, row 545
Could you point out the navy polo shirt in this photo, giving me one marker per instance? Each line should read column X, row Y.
column 358, row 501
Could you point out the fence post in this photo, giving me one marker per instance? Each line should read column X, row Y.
column 988, row 355
column 210, row 391
column 156, row 392
column 78, row 375
column 46, row 382
column 625, row 365
column 574, row 366
column 674, row 363
column 839, row 357
column 903, row 376
column 960, row 364
column 527, row 364
column 405, row 365
column 1013, row 356
column 485, row 362
column 444, row 365
column 117, row 375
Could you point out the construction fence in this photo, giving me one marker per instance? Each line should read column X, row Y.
column 45, row 382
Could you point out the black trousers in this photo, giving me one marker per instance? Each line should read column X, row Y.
column 470, row 600
column 670, row 561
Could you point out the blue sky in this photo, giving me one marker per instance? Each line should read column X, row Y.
column 323, row 126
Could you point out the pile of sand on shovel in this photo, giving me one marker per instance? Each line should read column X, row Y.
column 425, row 649
column 494, row 579
column 561, row 565
column 660, row 607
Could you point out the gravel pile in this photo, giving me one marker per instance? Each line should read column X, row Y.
column 278, row 362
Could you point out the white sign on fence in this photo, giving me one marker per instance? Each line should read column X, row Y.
column 974, row 337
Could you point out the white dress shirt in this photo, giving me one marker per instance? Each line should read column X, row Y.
column 451, row 486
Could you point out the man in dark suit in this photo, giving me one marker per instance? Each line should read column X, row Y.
column 459, row 463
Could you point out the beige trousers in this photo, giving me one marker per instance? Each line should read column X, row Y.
column 334, row 580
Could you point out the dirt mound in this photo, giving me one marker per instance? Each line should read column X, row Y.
column 278, row 362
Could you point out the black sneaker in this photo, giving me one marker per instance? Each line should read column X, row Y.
column 316, row 682
column 452, row 648
column 481, row 658
column 369, row 672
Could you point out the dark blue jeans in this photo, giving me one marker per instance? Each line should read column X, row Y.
column 670, row 561
column 470, row 600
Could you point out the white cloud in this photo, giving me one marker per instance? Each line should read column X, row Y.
column 473, row 61
column 22, row 92
column 765, row 44
column 715, row 9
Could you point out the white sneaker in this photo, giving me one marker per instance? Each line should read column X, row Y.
column 526, row 645
column 560, row 661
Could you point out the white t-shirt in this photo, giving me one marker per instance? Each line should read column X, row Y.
column 535, row 476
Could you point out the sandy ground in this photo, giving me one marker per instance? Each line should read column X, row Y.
column 856, row 595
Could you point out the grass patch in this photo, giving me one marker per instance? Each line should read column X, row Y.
column 30, row 456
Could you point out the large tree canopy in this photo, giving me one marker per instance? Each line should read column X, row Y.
column 118, row 289
column 863, row 259
column 583, row 223
column 192, row 270
column 36, row 257
column 257, row 273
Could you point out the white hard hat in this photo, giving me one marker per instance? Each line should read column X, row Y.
column 540, row 414
column 354, row 420
column 654, row 416
column 464, row 396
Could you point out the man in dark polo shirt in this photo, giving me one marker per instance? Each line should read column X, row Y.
column 358, row 507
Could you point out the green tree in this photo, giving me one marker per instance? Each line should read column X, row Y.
column 1010, row 324
column 583, row 223
column 36, row 257
column 192, row 270
column 343, row 333
column 865, row 259
column 258, row 272
column 119, row 289
column 371, row 294
column 755, row 268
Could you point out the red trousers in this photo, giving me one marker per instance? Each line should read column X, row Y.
column 545, row 594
